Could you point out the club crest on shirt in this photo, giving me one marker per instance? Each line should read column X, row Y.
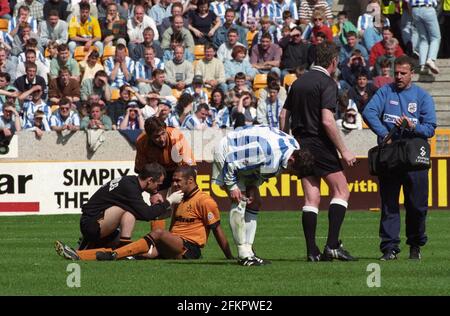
column 412, row 108
column 210, row 216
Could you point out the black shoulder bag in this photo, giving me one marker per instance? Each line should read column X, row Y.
column 402, row 155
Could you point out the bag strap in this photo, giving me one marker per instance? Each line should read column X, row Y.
column 393, row 131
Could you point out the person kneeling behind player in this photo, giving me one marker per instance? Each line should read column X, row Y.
column 192, row 220
column 243, row 160
column 118, row 204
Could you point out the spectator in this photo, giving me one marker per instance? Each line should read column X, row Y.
column 375, row 33
column 350, row 69
column 64, row 60
column 362, row 92
column 238, row 64
column 138, row 51
column 28, row 83
column 393, row 10
column 266, row 55
column 23, row 18
column 211, row 69
column 251, row 9
column 366, row 20
column 53, row 29
column 203, row 23
column 317, row 25
column 197, row 91
column 117, row 108
column 7, row 65
column 9, row 122
column 351, row 118
column 341, row 29
column 158, row 84
column 132, row 119
column 273, row 79
column 427, row 26
column 36, row 8
column 220, row 112
column 176, row 40
column 64, row 87
column 22, row 38
column 266, row 28
column 7, row 91
column 30, row 57
column 65, row 118
column 136, row 26
column 103, row 9
column 379, row 48
column 90, row 65
column 245, row 106
column 352, row 45
column 119, row 68
column 390, row 46
column 225, row 50
column 6, row 40
column 85, row 31
column 96, row 119
column 385, row 76
column 220, row 36
column 286, row 13
column 60, row 6
column 30, row 107
column 307, row 8
column 179, row 72
column 184, row 107
column 145, row 67
column 75, row 8
column 176, row 10
column 295, row 52
column 52, row 52
column 312, row 49
column 178, row 28
column 269, row 109
column 39, row 124
column 98, row 85
column 160, row 10
column 114, row 27
column 199, row 120
column 5, row 10
column 241, row 84
column 219, row 8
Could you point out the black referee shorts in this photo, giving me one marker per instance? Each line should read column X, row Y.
column 326, row 159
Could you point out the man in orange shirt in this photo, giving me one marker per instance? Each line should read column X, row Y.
column 192, row 221
column 166, row 146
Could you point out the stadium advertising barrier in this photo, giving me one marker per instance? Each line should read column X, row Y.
column 62, row 187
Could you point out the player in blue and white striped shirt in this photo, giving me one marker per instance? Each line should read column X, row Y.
column 243, row 160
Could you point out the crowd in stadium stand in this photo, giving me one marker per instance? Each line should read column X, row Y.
column 110, row 64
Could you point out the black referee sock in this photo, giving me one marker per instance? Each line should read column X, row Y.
column 309, row 223
column 336, row 214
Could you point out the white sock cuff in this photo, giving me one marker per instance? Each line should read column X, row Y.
column 340, row 202
column 311, row 209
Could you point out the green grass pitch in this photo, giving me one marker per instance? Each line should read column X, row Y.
column 30, row 265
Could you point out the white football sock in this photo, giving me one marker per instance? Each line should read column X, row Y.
column 237, row 224
column 250, row 227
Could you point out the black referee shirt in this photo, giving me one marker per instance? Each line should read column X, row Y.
column 311, row 93
column 125, row 193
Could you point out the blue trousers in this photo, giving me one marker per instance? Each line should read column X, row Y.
column 415, row 190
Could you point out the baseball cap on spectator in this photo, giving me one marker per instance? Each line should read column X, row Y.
column 197, row 79
column 39, row 114
column 165, row 102
column 132, row 104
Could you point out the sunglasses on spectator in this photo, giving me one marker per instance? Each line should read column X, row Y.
column 295, row 35
column 318, row 19
column 64, row 108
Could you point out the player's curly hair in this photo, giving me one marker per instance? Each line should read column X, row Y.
column 303, row 163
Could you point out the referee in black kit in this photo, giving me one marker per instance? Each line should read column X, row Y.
column 310, row 105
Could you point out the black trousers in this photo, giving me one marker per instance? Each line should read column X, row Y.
column 415, row 190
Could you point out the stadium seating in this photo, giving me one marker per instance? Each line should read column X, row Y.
column 108, row 52
column 115, row 94
column 250, row 36
column 80, row 53
column 260, row 81
column 199, row 51
column 176, row 93
column 4, row 25
column 54, row 108
column 46, row 53
column 289, row 80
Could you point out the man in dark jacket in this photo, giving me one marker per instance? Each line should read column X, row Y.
column 295, row 52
